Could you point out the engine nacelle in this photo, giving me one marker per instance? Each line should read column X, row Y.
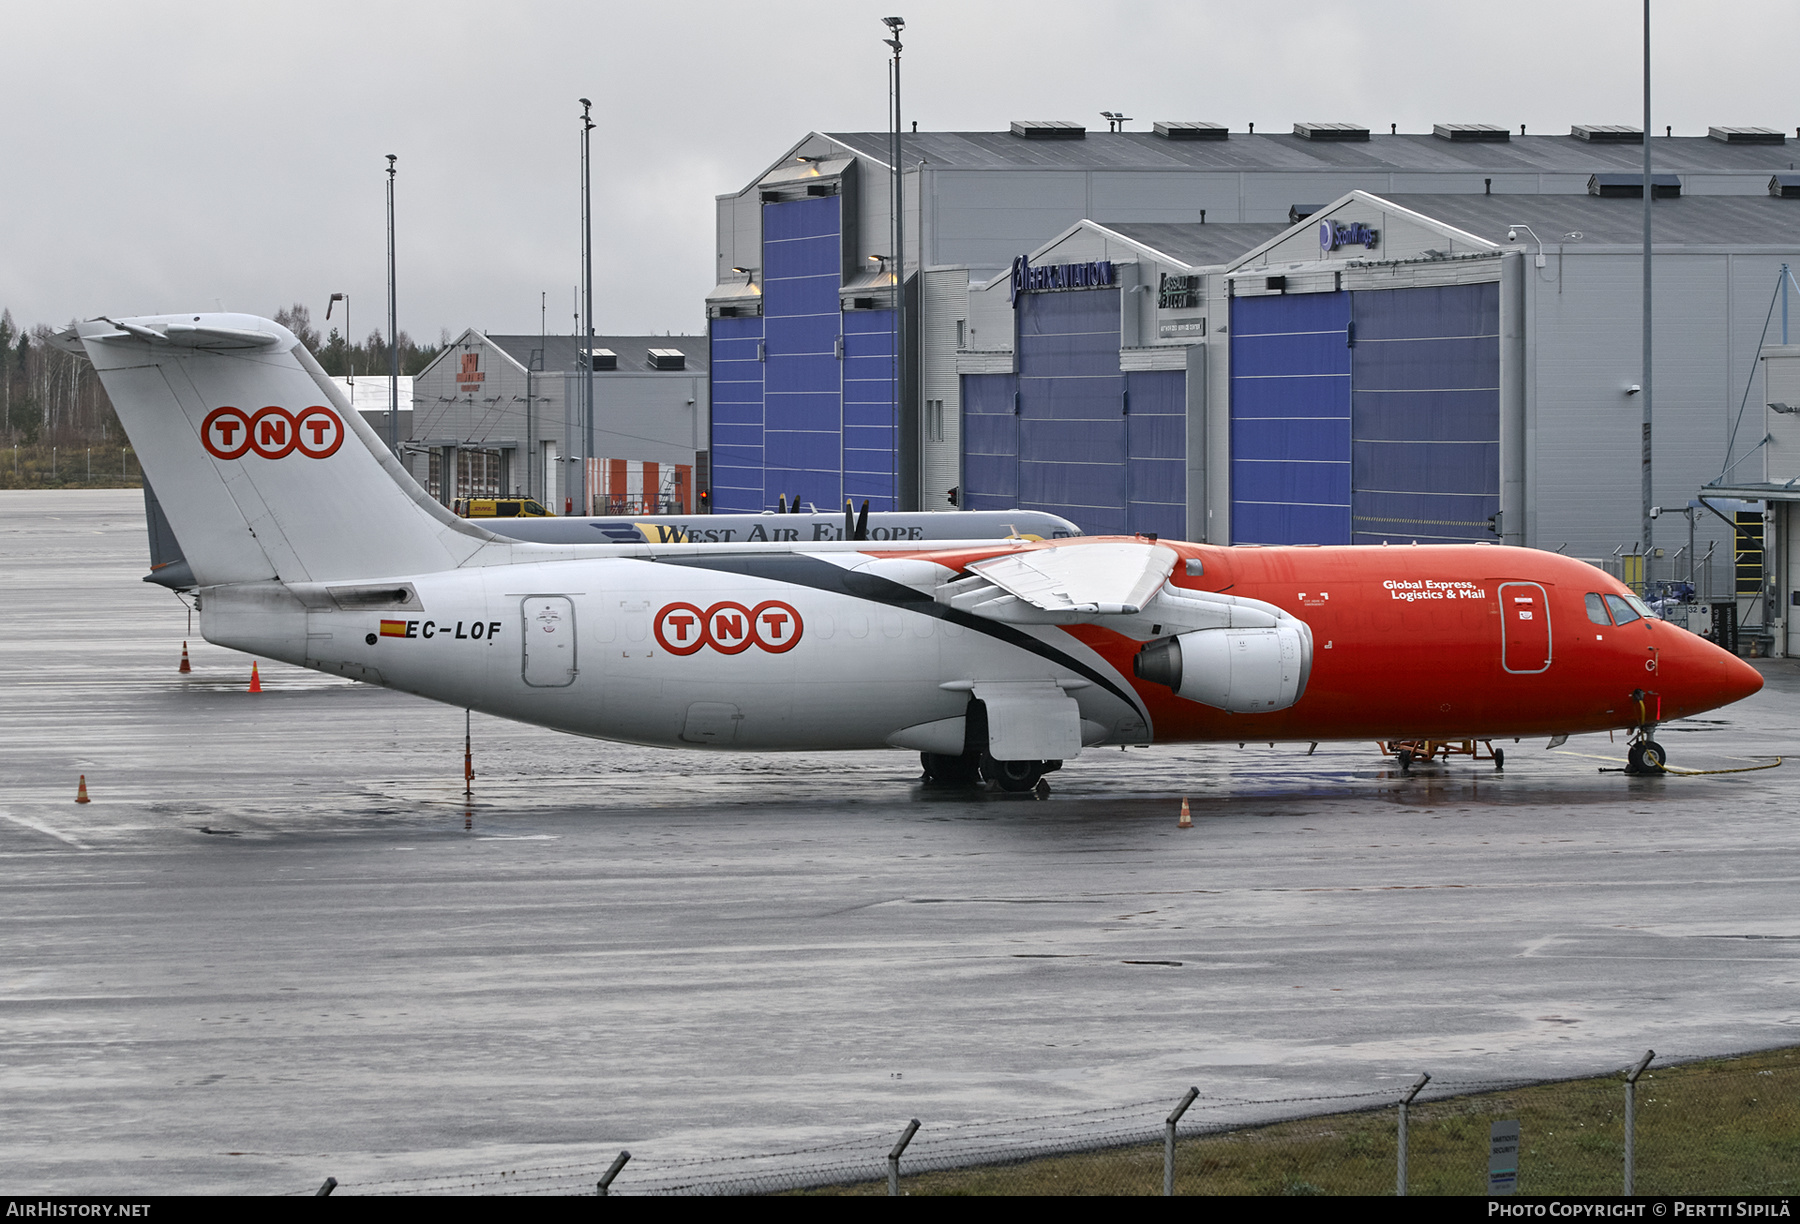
column 1240, row 671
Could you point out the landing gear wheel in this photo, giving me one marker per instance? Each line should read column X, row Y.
column 1405, row 758
column 1014, row 777
column 1646, row 757
column 944, row 770
column 1649, row 756
column 1499, row 759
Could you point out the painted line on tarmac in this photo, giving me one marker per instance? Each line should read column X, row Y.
column 45, row 829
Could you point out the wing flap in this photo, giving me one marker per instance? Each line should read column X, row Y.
column 1105, row 578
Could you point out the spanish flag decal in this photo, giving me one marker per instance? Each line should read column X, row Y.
column 393, row 628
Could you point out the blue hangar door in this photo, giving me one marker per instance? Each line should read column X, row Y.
column 1366, row 416
column 1071, row 433
column 803, row 397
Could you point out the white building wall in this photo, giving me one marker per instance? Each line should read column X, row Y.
column 944, row 318
column 1586, row 339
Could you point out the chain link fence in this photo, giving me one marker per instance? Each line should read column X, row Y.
column 1708, row 1126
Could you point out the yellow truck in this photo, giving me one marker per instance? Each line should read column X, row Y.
column 499, row 507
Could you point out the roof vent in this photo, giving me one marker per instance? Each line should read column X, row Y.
column 1048, row 129
column 1785, row 186
column 1471, row 132
column 668, row 359
column 1747, row 135
column 1607, row 133
column 1300, row 212
column 1631, row 186
column 603, row 359
column 1330, row 131
column 1184, row 129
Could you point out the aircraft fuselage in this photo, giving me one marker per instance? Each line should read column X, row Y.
column 798, row 652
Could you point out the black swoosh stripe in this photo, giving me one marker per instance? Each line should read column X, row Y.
column 824, row 576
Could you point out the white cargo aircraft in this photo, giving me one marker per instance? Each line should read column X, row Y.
column 310, row 544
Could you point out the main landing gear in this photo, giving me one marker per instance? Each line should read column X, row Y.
column 971, row 769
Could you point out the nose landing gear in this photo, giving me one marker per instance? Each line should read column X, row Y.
column 1646, row 758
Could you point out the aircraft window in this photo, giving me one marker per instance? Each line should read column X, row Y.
column 1643, row 609
column 1623, row 613
column 1596, row 610
column 1195, row 568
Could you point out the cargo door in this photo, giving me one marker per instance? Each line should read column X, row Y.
column 549, row 639
column 1525, row 625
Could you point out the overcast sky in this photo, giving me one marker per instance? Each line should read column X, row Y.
column 173, row 157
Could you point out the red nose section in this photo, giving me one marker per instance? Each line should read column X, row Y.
column 1696, row 675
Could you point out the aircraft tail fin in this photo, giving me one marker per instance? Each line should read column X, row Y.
column 260, row 465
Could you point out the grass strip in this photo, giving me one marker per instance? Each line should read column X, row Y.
column 1715, row 1126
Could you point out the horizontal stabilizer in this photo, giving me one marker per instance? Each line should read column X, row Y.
column 191, row 335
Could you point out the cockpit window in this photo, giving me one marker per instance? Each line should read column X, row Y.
column 1643, row 609
column 1596, row 610
column 1622, row 611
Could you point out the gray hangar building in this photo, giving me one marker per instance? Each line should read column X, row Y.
column 1316, row 336
column 1389, row 369
column 498, row 415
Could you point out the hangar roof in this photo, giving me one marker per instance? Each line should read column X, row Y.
column 633, row 351
column 1195, row 244
column 1689, row 221
column 1559, row 154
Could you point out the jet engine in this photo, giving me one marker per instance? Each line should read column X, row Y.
column 1240, row 671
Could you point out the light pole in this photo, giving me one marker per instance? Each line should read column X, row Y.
column 587, row 311
column 1649, row 496
column 895, row 25
column 533, row 367
column 393, row 438
column 349, row 339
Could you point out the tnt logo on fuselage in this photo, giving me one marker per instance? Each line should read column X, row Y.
column 729, row 627
column 273, row 433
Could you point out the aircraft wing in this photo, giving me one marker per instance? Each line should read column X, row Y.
column 1102, row 577
column 1119, row 584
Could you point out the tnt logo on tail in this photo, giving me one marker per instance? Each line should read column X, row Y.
column 272, row 433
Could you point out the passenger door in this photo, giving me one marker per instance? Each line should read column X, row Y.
column 1525, row 647
column 549, row 639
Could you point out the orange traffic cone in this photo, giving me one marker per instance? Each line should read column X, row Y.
column 185, row 668
column 1187, row 821
column 255, row 680
column 81, row 791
